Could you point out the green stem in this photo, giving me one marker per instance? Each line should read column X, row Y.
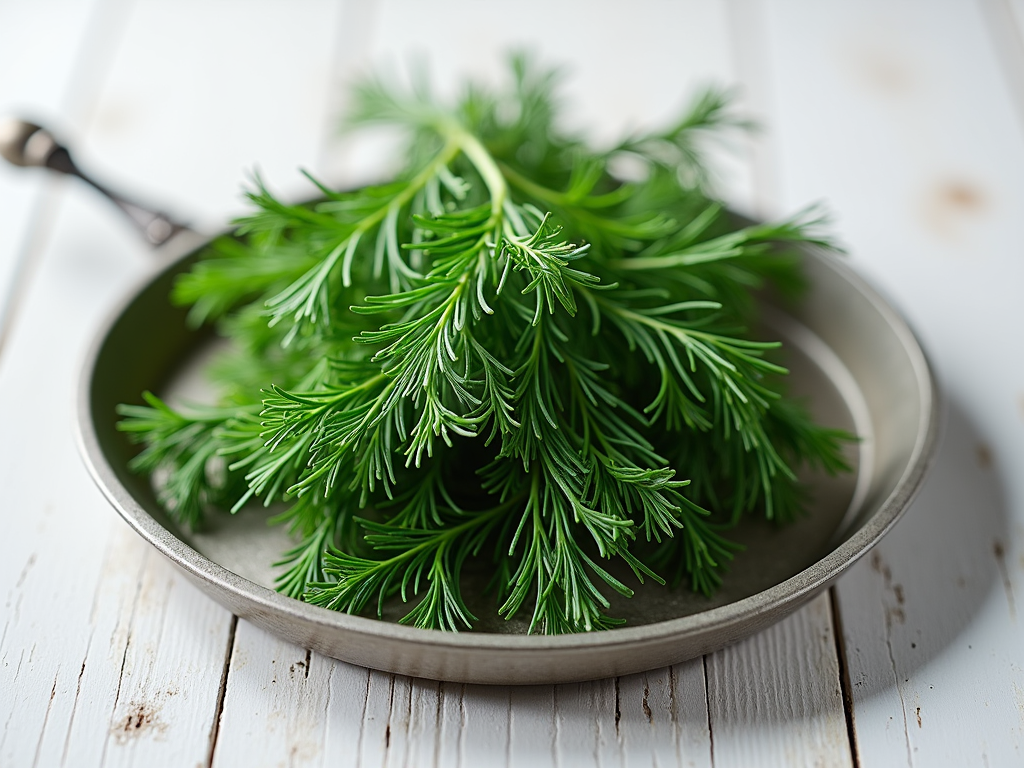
column 532, row 188
column 482, row 160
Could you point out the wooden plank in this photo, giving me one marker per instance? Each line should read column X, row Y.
column 654, row 718
column 52, row 612
column 276, row 694
column 106, row 653
column 377, row 719
column 39, row 54
column 776, row 698
column 224, row 90
column 900, row 115
column 932, row 637
column 89, row 616
column 588, row 720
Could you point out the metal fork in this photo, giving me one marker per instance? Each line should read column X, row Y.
column 32, row 146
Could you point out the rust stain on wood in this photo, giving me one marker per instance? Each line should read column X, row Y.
column 918, row 713
column 879, row 566
column 984, row 454
column 950, row 203
column 894, row 614
column 961, row 196
column 142, row 719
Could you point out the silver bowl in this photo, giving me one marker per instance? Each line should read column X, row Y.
column 851, row 355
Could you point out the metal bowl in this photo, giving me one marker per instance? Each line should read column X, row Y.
column 851, row 355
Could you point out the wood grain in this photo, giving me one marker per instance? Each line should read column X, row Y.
column 112, row 632
column 46, row 60
column 776, row 698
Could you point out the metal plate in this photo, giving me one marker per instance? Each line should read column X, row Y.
column 851, row 356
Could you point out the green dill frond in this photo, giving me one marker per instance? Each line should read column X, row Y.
column 505, row 352
column 181, row 447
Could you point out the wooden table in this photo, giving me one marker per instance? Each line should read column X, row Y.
column 906, row 118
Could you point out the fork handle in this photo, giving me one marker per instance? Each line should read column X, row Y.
column 29, row 145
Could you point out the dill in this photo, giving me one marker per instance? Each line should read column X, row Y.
column 505, row 353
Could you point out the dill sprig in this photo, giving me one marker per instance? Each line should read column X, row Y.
column 504, row 353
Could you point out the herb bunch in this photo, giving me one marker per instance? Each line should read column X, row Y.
column 506, row 353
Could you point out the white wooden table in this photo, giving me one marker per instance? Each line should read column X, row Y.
column 907, row 118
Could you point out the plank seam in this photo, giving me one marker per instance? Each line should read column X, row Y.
column 1005, row 35
column 886, row 575
column 124, row 657
column 362, row 720
column 327, row 706
column 899, row 687
column 218, row 712
column 508, row 740
column 463, row 719
column 438, row 717
column 555, row 718
column 673, row 713
column 845, row 686
column 645, row 702
column 46, row 719
column 410, row 734
column 78, row 694
column 391, row 714
column 707, row 700
column 618, row 712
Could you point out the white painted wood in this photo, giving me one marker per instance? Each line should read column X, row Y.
column 168, row 689
column 693, row 720
column 222, row 90
column 107, row 656
column 900, row 115
column 353, row 716
column 38, row 54
column 588, row 719
column 274, row 702
column 776, row 698
column 110, row 630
